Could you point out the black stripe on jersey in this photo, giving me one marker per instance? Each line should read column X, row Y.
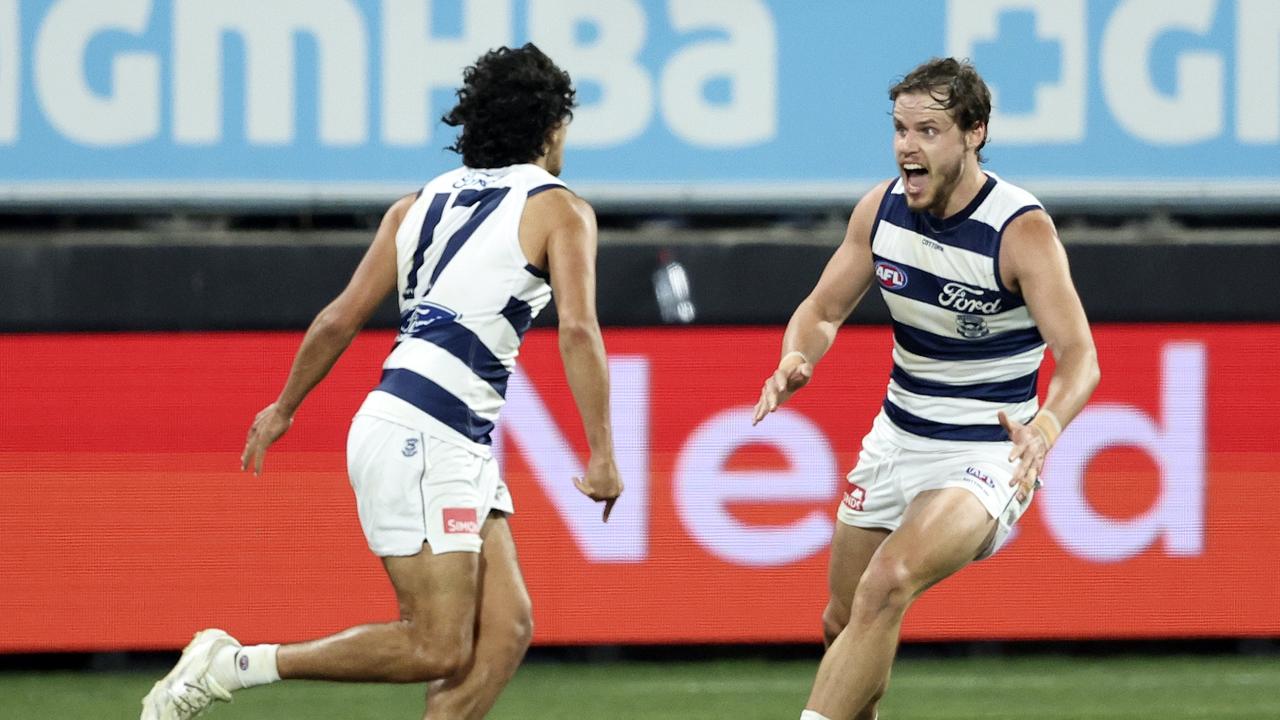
column 943, row 431
column 999, row 345
column 486, row 201
column 437, row 402
column 1005, row 391
column 425, row 235
column 544, row 188
column 458, row 340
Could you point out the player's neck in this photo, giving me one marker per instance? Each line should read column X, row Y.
column 965, row 191
column 545, row 163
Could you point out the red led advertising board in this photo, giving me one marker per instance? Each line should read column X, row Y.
column 126, row 524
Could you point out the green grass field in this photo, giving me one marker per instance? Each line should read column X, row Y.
column 1039, row 688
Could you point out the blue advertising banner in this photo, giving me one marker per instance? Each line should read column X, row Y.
column 699, row 101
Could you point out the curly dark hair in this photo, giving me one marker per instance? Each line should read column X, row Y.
column 956, row 86
column 508, row 103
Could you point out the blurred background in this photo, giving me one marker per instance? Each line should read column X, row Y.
column 185, row 183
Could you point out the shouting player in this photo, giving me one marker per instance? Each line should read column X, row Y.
column 977, row 283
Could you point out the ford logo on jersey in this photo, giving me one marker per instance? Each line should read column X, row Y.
column 890, row 276
column 967, row 300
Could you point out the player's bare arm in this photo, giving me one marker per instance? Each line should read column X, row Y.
column 570, row 230
column 329, row 335
column 1034, row 263
column 813, row 325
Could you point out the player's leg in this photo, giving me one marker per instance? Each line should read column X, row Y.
column 872, row 505
column 504, row 627
column 419, row 500
column 871, row 508
column 941, row 532
column 432, row 639
column 851, row 551
column 421, row 515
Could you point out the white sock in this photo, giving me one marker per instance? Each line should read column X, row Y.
column 811, row 715
column 245, row 667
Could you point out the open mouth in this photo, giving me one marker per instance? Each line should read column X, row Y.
column 915, row 178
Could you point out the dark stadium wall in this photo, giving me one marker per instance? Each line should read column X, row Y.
column 97, row 285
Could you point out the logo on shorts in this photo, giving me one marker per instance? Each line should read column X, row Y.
column 856, row 497
column 976, row 473
column 410, row 447
column 461, row 520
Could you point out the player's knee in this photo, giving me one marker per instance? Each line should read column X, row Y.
column 522, row 630
column 513, row 621
column 834, row 619
column 435, row 656
column 888, row 585
column 515, row 629
column 433, row 662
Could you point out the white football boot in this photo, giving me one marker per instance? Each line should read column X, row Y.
column 189, row 689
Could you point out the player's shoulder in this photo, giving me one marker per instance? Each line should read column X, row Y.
column 1033, row 226
column 1006, row 204
column 864, row 213
column 402, row 205
column 397, row 211
column 558, row 205
column 1022, row 222
column 1016, row 194
column 875, row 197
column 871, row 201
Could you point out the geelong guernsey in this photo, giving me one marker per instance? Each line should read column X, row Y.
column 467, row 296
column 964, row 345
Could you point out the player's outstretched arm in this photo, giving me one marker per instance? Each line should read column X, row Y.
column 571, row 256
column 813, row 326
column 1036, row 265
column 329, row 335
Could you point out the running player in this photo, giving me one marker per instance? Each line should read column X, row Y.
column 977, row 283
column 474, row 257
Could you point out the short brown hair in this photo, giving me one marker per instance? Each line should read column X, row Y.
column 956, row 86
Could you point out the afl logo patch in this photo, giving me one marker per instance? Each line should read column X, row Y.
column 890, row 276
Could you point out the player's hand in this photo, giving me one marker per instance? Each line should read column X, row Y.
column 1030, row 447
column 602, row 483
column 267, row 427
column 793, row 373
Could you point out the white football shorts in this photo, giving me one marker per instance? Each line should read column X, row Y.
column 895, row 466
column 413, row 488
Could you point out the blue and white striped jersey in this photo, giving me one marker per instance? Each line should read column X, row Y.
column 467, row 296
column 964, row 345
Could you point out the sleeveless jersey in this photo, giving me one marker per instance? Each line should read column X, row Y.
column 467, row 296
column 964, row 345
